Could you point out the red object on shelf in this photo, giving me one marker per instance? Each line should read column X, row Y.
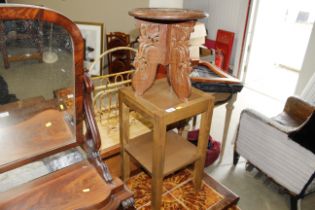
column 224, row 42
column 210, row 44
column 219, row 58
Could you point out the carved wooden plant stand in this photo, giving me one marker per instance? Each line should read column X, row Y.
column 164, row 35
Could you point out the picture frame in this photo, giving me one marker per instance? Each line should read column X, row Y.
column 93, row 35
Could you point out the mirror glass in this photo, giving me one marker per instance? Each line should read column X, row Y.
column 39, row 60
column 37, row 83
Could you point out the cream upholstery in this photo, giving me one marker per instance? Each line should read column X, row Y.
column 264, row 142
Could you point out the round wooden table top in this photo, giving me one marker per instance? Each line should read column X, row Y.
column 167, row 14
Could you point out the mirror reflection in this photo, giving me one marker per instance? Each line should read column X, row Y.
column 37, row 60
column 37, row 83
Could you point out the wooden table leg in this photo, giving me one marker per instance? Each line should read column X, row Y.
column 124, row 138
column 159, row 140
column 205, row 124
column 3, row 47
column 229, row 108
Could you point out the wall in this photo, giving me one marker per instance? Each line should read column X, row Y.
column 308, row 67
column 223, row 14
column 166, row 3
column 227, row 15
column 114, row 13
column 202, row 5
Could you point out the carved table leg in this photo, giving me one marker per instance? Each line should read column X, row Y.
column 143, row 79
column 165, row 44
column 151, row 52
column 179, row 59
column 228, row 114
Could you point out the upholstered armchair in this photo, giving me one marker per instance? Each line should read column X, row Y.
column 282, row 147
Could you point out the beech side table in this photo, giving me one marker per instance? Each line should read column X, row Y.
column 163, row 152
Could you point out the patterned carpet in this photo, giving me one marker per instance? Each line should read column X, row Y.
column 178, row 193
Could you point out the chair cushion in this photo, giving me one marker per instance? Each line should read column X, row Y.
column 305, row 134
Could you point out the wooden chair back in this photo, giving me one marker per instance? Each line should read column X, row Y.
column 118, row 61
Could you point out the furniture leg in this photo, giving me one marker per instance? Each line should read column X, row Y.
column 205, row 123
column 194, row 123
column 293, row 203
column 228, row 114
column 124, row 138
column 179, row 68
column 249, row 166
column 159, row 140
column 4, row 56
column 236, row 157
column 3, row 46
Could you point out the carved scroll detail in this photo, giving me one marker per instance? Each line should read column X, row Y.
column 145, row 61
column 180, row 66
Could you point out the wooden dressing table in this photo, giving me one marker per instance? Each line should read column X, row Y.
column 46, row 124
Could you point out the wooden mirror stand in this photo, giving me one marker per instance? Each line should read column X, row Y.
column 35, row 129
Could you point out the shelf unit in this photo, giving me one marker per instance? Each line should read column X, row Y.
column 163, row 152
column 176, row 158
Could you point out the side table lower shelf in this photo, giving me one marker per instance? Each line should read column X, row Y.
column 178, row 152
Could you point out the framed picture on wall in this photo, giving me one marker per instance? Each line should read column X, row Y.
column 93, row 35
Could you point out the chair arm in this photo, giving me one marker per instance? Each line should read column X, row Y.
column 298, row 109
column 250, row 113
column 265, row 144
